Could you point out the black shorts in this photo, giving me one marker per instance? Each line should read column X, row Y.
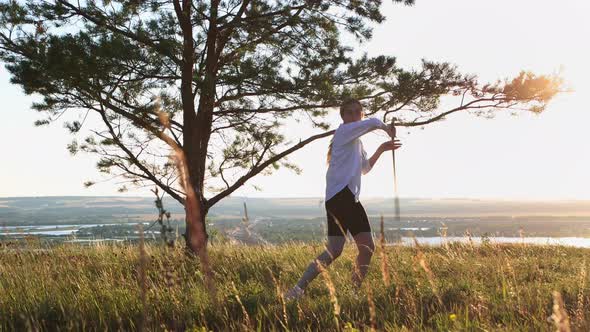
column 342, row 209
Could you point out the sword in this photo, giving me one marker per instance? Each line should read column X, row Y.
column 396, row 197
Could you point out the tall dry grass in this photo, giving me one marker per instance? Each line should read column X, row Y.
column 488, row 287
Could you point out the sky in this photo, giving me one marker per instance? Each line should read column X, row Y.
column 525, row 157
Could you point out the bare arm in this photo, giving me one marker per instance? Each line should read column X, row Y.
column 387, row 146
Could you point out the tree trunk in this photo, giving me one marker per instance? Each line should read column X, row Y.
column 194, row 149
column 195, row 235
column 199, row 126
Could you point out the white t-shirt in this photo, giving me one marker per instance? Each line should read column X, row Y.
column 349, row 159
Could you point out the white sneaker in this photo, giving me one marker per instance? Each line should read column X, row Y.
column 294, row 293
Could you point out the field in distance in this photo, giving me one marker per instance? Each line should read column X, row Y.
column 276, row 220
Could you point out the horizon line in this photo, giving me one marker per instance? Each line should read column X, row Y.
column 322, row 198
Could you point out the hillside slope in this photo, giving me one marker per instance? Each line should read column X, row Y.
column 488, row 287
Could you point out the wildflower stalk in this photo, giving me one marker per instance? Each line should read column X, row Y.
column 244, row 312
column 282, row 299
column 383, row 256
column 559, row 316
column 142, row 278
column 421, row 259
column 580, row 303
column 332, row 290
column 372, row 310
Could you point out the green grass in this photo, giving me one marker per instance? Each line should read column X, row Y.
column 459, row 288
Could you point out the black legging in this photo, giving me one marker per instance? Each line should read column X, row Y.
column 344, row 214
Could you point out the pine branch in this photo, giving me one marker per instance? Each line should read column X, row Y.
column 260, row 167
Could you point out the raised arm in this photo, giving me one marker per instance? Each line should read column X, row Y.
column 347, row 132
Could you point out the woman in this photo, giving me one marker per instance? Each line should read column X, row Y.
column 347, row 160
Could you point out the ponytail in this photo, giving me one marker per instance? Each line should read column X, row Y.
column 329, row 156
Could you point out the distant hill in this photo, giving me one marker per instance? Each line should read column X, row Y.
column 90, row 209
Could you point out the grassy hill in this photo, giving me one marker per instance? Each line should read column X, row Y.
column 459, row 287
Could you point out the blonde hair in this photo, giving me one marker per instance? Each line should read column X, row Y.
column 348, row 105
column 329, row 156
